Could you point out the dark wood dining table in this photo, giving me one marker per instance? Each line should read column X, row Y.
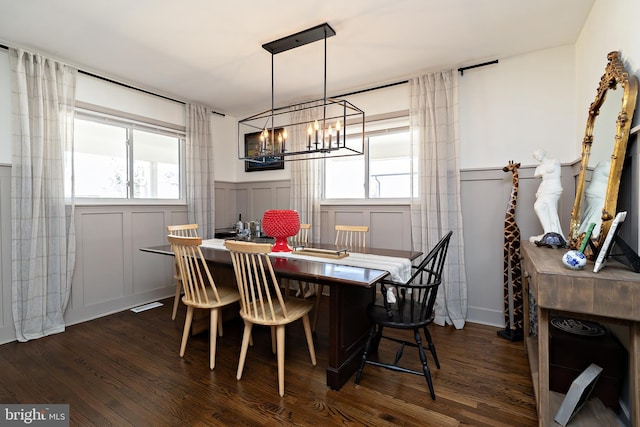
column 351, row 290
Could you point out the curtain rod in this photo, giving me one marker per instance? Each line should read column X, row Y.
column 128, row 86
column 462, row 69
column 372, row 89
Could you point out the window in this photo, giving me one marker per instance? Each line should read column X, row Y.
column 383, row 172
column 116, row 159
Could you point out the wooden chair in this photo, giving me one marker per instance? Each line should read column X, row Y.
column 302, row 237
column 261, row 302
column 351, row 236
column 200, row 291
column 411, row 308
column 184, row 230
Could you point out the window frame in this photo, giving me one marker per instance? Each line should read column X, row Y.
column 131, row 123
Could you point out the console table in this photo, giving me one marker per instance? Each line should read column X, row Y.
column 611, row 295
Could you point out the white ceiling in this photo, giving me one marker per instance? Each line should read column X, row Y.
column 210, row 52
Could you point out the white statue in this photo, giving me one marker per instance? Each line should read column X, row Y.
column 594, row 196
column 548, row 194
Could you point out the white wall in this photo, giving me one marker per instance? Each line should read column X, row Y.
column 509, row 109
column 108, row 95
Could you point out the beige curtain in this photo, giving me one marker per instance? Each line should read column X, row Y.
column 435, row 207
column 43, row 239
column 199, row 170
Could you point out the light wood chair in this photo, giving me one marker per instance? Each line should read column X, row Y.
column 350, row 236
column 200, row 291
column 261, row 302
column 184, row 230
column 302, row 237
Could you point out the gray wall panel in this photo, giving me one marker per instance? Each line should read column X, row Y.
column 102, row 257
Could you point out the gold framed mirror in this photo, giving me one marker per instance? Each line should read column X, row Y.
column 601, row 164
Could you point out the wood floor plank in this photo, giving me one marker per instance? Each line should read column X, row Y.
column 124, row 369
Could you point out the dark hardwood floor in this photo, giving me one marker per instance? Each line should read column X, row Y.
column 124, row 369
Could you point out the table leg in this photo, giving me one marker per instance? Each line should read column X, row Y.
column 634, row 331
column 543, row 366
column 348, row 329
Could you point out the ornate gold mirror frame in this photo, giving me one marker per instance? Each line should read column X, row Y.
column 614, row 78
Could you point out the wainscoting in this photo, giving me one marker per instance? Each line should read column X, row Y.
column 112, row 274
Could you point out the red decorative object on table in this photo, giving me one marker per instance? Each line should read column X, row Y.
column 281, row 224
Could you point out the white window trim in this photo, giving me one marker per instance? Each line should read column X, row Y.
column 86, row 111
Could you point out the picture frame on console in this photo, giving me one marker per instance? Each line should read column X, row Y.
column 252, row 147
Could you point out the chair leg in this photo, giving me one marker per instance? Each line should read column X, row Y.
column 308, row 334
column 243, row 350
column 316, row 306
column 367, row 346
column 273, row 340
column 176, row 300
column 280, row 339
column 187, row 328
column 432, row 346
column 219, row 323
column 213, row 320
column 377, row 336
column 425, row 367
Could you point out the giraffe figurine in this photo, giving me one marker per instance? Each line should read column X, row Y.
column 512, row 268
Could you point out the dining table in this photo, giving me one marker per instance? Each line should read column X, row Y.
column 352, row 288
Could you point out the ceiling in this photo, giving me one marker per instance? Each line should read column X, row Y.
column 210, row 52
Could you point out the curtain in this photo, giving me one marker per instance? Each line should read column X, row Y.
column 199, row 170
column 306, row 178
column 43, row 239
column 435, row 206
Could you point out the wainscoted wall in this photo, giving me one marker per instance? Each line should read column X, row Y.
column 112, row 274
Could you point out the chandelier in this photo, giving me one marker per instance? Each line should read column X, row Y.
column 327, row 127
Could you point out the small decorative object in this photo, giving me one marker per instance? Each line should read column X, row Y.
column 574, row 260
column 608, row 241
column 548, row 194
column 324, row 253
column 578, row 394
column 552, row 240
column 281, row 224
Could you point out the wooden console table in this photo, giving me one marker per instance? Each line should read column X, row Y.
column 611, row 295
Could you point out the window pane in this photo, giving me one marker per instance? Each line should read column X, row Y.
column 100, row 161
column 389, row 166
column 344, row 177
column 156, row 172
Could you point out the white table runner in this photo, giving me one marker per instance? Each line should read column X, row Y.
column 399, row 268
